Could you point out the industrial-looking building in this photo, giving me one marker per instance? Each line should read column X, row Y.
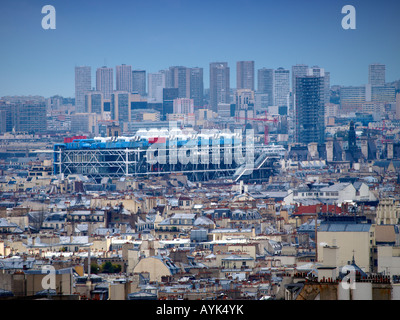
column 200, row 156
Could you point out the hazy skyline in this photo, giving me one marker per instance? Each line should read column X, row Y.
column 156, row 34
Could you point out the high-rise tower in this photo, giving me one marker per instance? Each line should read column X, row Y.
column 376, row 74
column 245, row 75
column 123, row 78
column 310, row 109
column 83, row 84
column 219, row 84
column 105, row 81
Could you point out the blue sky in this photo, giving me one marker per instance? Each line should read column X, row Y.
column 156, row 34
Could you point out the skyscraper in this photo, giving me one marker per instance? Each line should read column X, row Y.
column 105, row 81
column 376, row 74
column 169, row 95
column 310, row 109
column 179, row 77
column 121, row 106
column 83, row 83
column 298, row 70
column 197, row 86
column 124, row 78
column 321, row 72
column 281, row 87
column 156, row 84
column 139, row 82
column 265, row 81
column 3, row 121
column 94, row 102
column 245, row 75
column 219, row 84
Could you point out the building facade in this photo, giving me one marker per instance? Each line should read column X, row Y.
column 219, row 84
column 245, row 75
column 123, row 78
column 105, row 81
column 139, row 82
column 281, row 87
column 376, row 74
column 265, row 84
column 83, row 83
column 310, row 110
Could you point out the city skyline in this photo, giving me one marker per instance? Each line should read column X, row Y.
column 158, row 34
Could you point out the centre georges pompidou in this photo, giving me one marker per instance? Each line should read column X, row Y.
column 209, row 155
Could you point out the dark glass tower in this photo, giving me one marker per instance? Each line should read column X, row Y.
column 310, row 109
column 169, row 94
column 197, row 86
column 265, row 83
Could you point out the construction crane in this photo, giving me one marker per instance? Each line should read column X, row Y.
column 266, row 128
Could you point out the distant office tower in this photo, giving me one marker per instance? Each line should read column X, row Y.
column 219, row 84
column 310, row 109
column 104, row 81
column 83, row 83
column 376, row 74
column 197, row 86
column 398, row 106
column 85, row 123
column 3, row 120
column 281, row 87
column 124, row 78
column 327, row 86
column 321, row 72
column 121, row 106
column 139, row 82
column 169, row 95
column 244, row 100
column 183, row 106
column 94, row 102
column 156, row 84
column 265, row 83
column 298, row 70
column 6, row 116
column 386, row 94
column 245, row 75
column 352, row 98
column 179, row 77
column 316, row 71
column 224, row 110
column 27, row 117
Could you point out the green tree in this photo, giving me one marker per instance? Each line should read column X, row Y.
column 94, row 268
column 117, row 268
column 107, row 267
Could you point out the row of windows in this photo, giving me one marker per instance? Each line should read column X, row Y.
column 316, row 194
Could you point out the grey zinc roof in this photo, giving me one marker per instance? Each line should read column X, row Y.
column 344, row 227
column 336, row 187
